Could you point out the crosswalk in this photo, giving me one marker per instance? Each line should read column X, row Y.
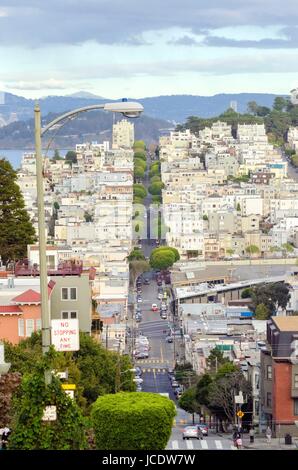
column 154, row 369
column 153, row 361
column 193, row 444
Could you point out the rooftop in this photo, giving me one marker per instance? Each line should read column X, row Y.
column 286, row 323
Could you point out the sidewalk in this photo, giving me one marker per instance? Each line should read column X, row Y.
column 260, row 443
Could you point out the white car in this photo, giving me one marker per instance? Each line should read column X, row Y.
column 138, row 380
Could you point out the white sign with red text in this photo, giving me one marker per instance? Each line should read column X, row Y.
column 65, row 335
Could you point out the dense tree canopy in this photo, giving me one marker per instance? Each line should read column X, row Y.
column 16, row 229
column 271, row 295
column 71, row 156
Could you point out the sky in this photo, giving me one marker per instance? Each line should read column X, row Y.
column 139, row 48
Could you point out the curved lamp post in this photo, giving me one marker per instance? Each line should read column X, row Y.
column 128, row 109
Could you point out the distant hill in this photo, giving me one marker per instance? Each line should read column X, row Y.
column 178, row 107
column 174, row 108
column 92, row 126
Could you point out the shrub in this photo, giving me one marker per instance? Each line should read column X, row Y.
column 132, row 421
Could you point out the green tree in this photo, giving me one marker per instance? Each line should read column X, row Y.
column 280, row 103
column 238, row 208
column 230, row 251
column 136, row 254
column 262, row 312
column 157, row 199
column 139, row 172
column 252, row 107
column 155, row 188
column 161, row 249
column 272, row 295
column 137, row 267
column 29, row 431
column 215, row 360
column 246, row 293
column 57, row 155
column 162, row 260
column 139, row 190
column 288, row 247
column 132, row 421
column 140, row 163
column 71, row 156
column 155, row 179
column 223, row 389
column 16, row 229
column 252, row 249
column 202, row 390
column 140, row 154
column 139, row 144
column 205, row 217
column 188, row 402
column 88, row 217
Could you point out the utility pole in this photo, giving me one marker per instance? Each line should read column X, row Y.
column 43, row 275
column 118, row 372
column 107, row 336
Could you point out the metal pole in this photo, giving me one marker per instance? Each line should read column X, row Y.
column 45, row 315
column 117, row 375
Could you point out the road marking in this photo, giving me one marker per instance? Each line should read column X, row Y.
column 175, row 445
column 189, row 445
column 204, row 444
column 218, row 444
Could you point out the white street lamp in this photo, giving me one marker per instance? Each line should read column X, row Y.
column 128, row 109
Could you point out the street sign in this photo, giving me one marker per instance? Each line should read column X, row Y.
column 65, row 335
column 49, row 413
column 68, row 386
column 240, row 414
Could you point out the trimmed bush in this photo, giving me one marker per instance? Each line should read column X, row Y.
column 132, row 421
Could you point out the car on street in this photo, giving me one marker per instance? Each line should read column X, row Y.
column 139, row 388
column 142, row 355
column 159, row 296
column 175, row 383
column 138, row 318
column 139, row 298
column 164, row 307
column 160, row 290
column 191, row 432
column 138, row 380
column 138, row 309
column 146, row 281
column 159, row 281
column 169, row 339
column 154, row 307
column 138, row 371
column 164, row 315
column 204, row 428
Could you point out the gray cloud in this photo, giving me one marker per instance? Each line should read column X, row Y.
column 119, row 22
column 184, row 41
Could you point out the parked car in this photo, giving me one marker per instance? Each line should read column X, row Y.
column 147, row 281
column 164, row 307
column 138, row 380
column 139, row 298
column 164, row 315
column 159, row 295
column 138, row 309
column 204, row 428
column 139, row 290
column 191, row 432
column 175, row 383
column 169, row 339
column 139, row 388
column 154, row 308
column 160, row 290
column 138, row 318
column 159, row 282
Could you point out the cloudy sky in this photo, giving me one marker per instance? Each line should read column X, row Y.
column 138, row 48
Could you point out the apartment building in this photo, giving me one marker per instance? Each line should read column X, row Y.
column 123, row 134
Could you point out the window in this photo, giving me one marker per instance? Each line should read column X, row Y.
column 69, row 315
column 296, row 406
column 38, row 324
column 269, row 372
column 21, row 327
column 68, row 293
column 296, row 381
column 269, row 399
column 29, row 327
